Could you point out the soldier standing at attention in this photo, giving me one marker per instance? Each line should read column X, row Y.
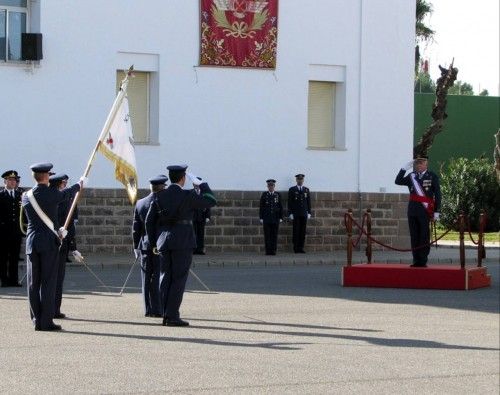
column 169, row 226
column 43, row 238
column 68, row 244
column 201, row 217
column 150, row 263
column 11, row 239
column 299, row 211
column 423, row 207
column 271, row 215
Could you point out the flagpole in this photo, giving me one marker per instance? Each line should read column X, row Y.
column 105, row 129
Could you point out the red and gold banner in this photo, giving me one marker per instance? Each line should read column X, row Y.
column 239, row 33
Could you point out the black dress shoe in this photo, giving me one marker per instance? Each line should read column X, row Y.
column 301, row 252
column 155, row 315
column 177, row 322
column 418, row 265
column 60, row 315
column 52, row 327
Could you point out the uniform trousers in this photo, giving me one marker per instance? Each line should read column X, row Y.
column 42, row 278
column 199, row 231
column 61, row 272
column 419, row 235
column 299, row 233
column 10, row 248
column 174, row 271
column 150, row 278
column 271, row 237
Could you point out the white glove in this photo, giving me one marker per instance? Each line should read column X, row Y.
column 408, row 166
column 62, row 232
column 291, row 216
column 78, row 257
column 84, row 181
column 436, row 216
column 75, row 221
column 193, row 179
column 281, row 220
column 261, row 221
column 308, row 215
column 207, row 220
column 137, row 253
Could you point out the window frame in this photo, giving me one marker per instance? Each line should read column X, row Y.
column 8, row 9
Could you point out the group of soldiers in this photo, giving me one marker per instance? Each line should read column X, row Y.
column 165, row 241
column 43, row 208
column 271, row 214
column 168, row 228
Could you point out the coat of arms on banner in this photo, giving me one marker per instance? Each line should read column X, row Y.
column 239, row 33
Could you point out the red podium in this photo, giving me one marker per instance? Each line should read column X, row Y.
column 393, row 275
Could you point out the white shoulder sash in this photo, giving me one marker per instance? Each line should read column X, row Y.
column 46, row 220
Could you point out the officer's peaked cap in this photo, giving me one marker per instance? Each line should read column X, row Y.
column 299, row 175
column 271, row 181
column 58, row 177
column 177, row 168
column 41, row 167
column 158, row 180
column 10, row 174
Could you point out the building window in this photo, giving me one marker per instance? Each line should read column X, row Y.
column 138, row 94
column 13, row 22
column 321, row 114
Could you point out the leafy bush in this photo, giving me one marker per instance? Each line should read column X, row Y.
column 469, row 186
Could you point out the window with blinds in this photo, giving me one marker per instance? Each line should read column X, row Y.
column 321, row 105
column 138, row 101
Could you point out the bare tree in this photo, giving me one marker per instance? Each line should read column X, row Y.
column 447, row 79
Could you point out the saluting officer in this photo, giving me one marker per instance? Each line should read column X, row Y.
column 271, row 215
column 11, row 239
column 423, row 207
column 150, row 263
column 42, row 243
column 169, row 225
column 68, row 244
column 299, row 211
column 201, row 217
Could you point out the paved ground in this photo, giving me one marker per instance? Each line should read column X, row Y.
column 267, row 326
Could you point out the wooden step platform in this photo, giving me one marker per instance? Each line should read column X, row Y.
column 396, row 275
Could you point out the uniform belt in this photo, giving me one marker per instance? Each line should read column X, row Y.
column 172, row 222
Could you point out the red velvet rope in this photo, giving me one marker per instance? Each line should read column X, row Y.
column 363, row 232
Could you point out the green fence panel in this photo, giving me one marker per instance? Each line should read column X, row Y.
column 468, row 131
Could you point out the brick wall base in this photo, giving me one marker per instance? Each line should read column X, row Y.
column 105, row 221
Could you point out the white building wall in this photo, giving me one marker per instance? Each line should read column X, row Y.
column 234, row 127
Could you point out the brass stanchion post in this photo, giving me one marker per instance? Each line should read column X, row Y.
column 461, row 226
column 480, row 242
column 369, row 235
column 349, row 237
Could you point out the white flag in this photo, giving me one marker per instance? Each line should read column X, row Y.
column 118, row 146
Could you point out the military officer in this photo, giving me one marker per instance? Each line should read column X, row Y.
column 299, row 211
column 40, row 205
column 423, row 207
column 271, row 215
column 150, row 263
column 201, row 217
column 68, row 244
column 169, row 226
column 11, row 239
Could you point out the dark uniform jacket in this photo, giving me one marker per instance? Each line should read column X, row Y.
column 169, row 219
column 430, row 186
column 271, row 209
column 39, row 237
column 62, row 214
column 299, row 202
column 9, row 214
column 139, row 235
column 201, row 214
